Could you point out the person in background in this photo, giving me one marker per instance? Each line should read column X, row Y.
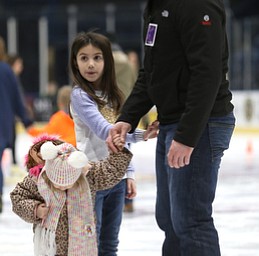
column 11, row 106
column 51, row 94
column 3, row 54
column 185, row 77
column 96, row 101
column 60, row 123
column 135, row 63
column 58, row 193
column 124, row 71
column 45, row 105
column 16, row 63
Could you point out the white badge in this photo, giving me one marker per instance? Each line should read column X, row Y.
column 151, row 34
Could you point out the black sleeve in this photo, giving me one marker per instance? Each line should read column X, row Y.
column 202, row 28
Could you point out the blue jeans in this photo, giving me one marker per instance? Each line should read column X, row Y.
column 109, row 206
column 185, row 195
column 1, row 170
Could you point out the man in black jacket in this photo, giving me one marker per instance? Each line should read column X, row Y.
column 184, row 76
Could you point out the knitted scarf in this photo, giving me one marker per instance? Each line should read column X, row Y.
column 81, row 224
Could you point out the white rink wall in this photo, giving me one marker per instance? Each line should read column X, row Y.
column 246, row 109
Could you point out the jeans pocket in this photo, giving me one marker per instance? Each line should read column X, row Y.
column 220, row 135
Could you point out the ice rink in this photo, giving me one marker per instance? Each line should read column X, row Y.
column 236, row 207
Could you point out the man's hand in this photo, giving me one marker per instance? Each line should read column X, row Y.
column 121, row 129
column 179, row 155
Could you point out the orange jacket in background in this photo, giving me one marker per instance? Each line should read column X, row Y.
column 59, row 123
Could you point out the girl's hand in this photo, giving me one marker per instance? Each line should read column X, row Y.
column 152, row 131
column 42, row 211
column 117, row 141
column 131, row 189
column 121, row 128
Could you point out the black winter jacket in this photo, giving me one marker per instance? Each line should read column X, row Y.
column 185, row 71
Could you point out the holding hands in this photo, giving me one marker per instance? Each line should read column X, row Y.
column 117, row 135
column 120, row 129
column 117, row 141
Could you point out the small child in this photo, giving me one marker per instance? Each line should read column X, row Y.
column 66, row 130
column 58, row 195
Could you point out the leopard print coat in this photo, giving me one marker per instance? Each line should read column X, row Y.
column 104, row 174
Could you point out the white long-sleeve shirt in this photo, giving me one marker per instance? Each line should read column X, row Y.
column 92, row 129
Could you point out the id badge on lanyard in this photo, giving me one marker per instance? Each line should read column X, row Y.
column 151, row 34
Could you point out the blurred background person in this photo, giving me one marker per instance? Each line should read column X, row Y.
column 3, row 55
column 135, row 63
column 52, row 92
column 16, row 63
column 124, row 70
column 11, row 106
column 60, row 122
column 45, row 105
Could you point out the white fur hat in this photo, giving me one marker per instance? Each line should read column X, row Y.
column 63, row 163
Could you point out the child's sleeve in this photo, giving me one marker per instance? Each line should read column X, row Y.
column 25, row 198
column 107, row 173
column 89, row 114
